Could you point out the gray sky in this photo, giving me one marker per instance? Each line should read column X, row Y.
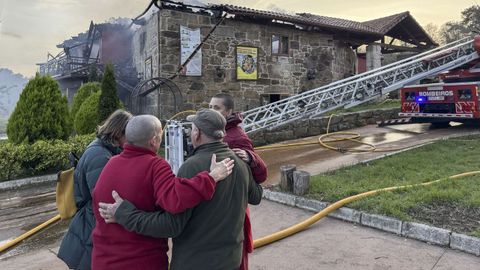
column 31, row 28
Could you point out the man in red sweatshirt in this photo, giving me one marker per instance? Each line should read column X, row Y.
column 239, row 142
column 146, row 180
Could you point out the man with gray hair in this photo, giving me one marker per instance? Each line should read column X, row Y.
column 146, row 180
column 209, row 236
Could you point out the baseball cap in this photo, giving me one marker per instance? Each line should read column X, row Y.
column 210, row 122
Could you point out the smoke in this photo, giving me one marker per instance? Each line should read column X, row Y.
column 3, row 4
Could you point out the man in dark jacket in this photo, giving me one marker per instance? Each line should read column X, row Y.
column 210, row 235
column 239, row 142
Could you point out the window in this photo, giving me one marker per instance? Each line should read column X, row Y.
column 279, row 44
column 270, row 98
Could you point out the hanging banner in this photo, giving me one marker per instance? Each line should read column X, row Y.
column 189, row 40
column 247, row 63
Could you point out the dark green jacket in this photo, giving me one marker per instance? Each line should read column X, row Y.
column 210, row 235
column 76, row 247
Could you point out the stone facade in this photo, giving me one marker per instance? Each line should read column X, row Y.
column 314, row 59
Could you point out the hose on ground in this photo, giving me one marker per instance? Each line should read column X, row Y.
column 29, row 233
column 308, row 222
column 333, row 138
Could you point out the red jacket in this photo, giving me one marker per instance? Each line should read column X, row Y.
column 147, row 181
column 237, row 138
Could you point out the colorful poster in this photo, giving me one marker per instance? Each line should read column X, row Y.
column 247, row 63
column 189, row 40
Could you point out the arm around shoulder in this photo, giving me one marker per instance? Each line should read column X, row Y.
column 159, row 224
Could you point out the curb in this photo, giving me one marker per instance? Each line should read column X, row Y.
column 12, row 184
column 417, row 231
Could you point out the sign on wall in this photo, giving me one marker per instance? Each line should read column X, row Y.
column 189, row 40
column 247, row 64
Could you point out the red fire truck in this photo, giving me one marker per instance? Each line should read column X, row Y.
column 440, row 103
column 456, row 98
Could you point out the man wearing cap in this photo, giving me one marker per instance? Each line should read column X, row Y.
column 238, row 141
column 210, row 235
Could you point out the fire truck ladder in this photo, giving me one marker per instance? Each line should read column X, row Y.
column 360, row 88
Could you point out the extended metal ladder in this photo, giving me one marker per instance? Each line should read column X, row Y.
column 360, row 88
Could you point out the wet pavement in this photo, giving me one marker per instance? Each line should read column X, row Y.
column 22, row 209
column 316, row 159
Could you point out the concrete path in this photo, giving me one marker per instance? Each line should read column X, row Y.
column 329, row 244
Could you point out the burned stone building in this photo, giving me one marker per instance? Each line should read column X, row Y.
column 257, row 56
column 88, row 52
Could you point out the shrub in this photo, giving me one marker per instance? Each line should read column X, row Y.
column 41, row 157
column 41, row 113
column 83, row 93
column 109, row 100
column 86, row 119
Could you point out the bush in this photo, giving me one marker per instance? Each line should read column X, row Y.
column 86, row 119
column 83, row 93
column 109, row 100
column 41, row 113
column 41, row 157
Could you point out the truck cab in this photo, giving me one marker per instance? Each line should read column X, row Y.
column 440, row 103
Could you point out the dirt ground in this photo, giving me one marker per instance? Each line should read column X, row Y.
column 449, row 215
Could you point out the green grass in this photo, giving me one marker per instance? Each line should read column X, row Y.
column 475, row 233
column 427, row 163
column 386, row 104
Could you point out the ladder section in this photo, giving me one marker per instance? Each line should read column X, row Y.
column 360, row 88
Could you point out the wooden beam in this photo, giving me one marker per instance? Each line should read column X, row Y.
column 416, row 42
column 398, row 48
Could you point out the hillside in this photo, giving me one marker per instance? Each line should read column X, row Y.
column 11, row 85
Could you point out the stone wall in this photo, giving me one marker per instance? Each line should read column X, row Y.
column 314, row 59
column 145, row 46
column 317, row 126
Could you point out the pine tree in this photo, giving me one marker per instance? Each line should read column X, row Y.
column 87, row 115
column 40, row 113
column 109, row 100
column 82, row 94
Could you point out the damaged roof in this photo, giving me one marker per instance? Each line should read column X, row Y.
column 400, row 26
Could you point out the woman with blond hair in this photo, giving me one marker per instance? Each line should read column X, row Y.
column 76, row 247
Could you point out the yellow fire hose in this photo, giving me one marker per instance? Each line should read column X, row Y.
column 336, row 137
column 281, row 234
column 29, row 233
column 306, row 223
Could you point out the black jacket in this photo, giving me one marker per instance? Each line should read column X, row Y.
column 76, row 247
